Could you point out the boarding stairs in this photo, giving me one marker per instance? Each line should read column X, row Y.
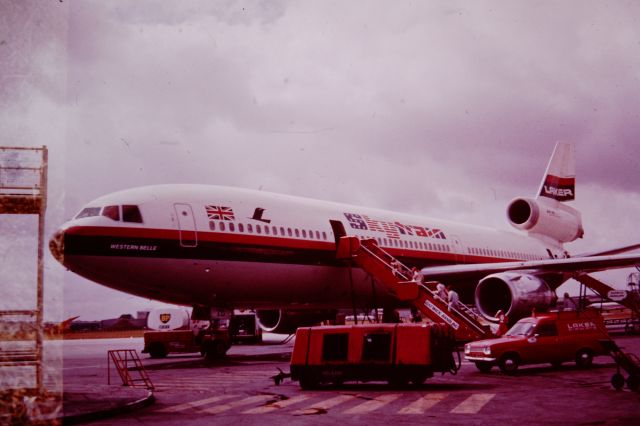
column 126, row 362
column 630, row 301
column 396, row 278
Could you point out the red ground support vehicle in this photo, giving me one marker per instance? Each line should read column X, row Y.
column 396, row 353
column 553, row 337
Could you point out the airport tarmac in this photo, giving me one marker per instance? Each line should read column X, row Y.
column 239, row 390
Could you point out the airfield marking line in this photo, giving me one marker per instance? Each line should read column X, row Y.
column 193, row 404
column 324, row 405
column 277, row 405
column 423, row 404
column 473, row 404
column 224, row 407
column 374, row 404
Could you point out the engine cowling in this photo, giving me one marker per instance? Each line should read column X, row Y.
column 513, row 293
column 549, row 218
column 287, row 321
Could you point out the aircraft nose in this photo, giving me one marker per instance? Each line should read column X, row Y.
column 56, row 245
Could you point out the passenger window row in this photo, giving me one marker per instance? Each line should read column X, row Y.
column 277, row 231
column 418, row 245
column 503, row 253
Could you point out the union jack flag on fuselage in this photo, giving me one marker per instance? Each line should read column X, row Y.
column 220, row 213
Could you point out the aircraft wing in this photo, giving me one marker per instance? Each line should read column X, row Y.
column 617, row 250
column 569, row 266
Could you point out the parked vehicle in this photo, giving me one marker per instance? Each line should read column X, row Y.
column 553, row 337
column 245, row 328
column 175, row 332
column 396, row 353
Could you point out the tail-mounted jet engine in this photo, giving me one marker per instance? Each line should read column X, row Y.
column 513, row 293
column 550, row 218
column 287, row 321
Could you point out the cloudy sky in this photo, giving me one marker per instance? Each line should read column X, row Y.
column 446, row 109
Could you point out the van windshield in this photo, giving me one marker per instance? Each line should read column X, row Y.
column 521, row 328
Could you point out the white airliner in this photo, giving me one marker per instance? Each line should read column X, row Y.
column 236, row 248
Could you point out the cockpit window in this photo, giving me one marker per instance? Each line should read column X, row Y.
column 131, row 214
column 112, row 212
column 88, row 212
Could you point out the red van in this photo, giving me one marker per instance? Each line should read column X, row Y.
column 553, row 337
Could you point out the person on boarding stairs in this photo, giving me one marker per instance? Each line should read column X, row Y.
column 441, row 291
column 416, row 275
column 454, row 299
column 395, row 268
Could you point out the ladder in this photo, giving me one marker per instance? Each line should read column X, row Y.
column 630, row 301
column 396, row 277
column 123, row 359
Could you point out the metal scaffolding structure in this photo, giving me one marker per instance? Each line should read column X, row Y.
column 23, row 191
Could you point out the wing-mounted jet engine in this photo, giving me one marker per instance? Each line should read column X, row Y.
column 514, row 293
column 286, row 321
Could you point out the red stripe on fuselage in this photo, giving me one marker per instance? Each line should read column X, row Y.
column 270, row 241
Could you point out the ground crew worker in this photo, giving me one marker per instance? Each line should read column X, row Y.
column 502, row 323
column 568, row 303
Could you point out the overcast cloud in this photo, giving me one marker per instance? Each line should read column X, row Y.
column 446, row 109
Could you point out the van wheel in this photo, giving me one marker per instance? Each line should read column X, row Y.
column 157, row 350
column 509, row 363
column 308, row 381
column 633, row 382
column 484, row 366
column 617, row 381
column 584, row 358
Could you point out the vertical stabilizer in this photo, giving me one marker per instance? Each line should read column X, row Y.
column 559, row 182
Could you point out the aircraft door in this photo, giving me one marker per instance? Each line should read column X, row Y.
column 186, row 225
column 338, row 230
column 458, row 248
